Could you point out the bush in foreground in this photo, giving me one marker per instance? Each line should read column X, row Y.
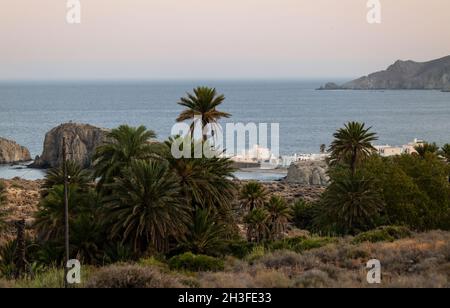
column 131, row 277
column 383, row 234
column 196, row 263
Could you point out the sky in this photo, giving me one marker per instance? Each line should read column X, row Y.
column 220, row 39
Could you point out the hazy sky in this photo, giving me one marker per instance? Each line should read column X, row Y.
column 152, row 39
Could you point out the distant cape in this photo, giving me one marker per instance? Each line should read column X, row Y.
column 403, row 75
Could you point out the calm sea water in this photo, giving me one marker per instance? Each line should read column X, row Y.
column 307, row 117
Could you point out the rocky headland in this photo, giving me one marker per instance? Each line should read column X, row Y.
column 403, row 75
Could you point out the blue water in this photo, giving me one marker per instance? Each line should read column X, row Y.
column 307, row 117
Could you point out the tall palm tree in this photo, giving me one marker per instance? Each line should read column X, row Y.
column 77, row 175
column 426, row 148
column 253, row 195
column 280, row 214
column 352, row 144
column 257, row 221
column 123, row 145
column 352, row 203
column 146, row 208
column 202, row 104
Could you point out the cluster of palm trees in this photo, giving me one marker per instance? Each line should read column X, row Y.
column 142, row 197
column 266, row 217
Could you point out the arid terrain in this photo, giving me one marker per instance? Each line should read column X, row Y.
column 22, row 198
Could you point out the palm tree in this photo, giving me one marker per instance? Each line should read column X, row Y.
column 202, row 104
column 445, row 151
column 303, row 214
column 146, row 208
column 280, row 214
column 123, row 145
column 253, row 195
column 257, row 221
column 352, row 203
column 426, row 148
column 352, row 144
column 77, row 175
column 205, row 182
column 86, row 238
column 49, row 219
column 205, row 234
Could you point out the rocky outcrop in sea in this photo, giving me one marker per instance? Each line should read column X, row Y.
column 81, row 141
column 11, row 152
column 309, row 173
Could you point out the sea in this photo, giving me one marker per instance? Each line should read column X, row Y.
column 307, row 118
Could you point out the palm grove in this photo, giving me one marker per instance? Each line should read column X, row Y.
column 138, row 200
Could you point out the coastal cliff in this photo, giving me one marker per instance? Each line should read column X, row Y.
column 11, row 152
column 403, row 75
column 81, row 140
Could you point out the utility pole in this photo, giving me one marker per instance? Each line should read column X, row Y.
column 66, row 210
column 21, row 247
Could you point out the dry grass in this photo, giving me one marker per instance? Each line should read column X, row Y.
column 422, row 261
column 417, row 262
column 22, row 198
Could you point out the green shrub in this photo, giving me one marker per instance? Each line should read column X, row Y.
column 131, row 277
column 196, row 263
column 383, row 234
column 256, row 253
column 300, row 244
column 303, row 215
column 152, row 261
column 238, row 249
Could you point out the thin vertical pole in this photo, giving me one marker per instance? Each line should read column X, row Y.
column 66, row 210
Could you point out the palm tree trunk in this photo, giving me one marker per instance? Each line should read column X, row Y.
column 353, row 162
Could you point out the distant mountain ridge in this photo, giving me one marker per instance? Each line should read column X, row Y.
column 403, row 75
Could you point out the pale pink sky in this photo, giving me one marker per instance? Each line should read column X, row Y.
column 152, row 39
